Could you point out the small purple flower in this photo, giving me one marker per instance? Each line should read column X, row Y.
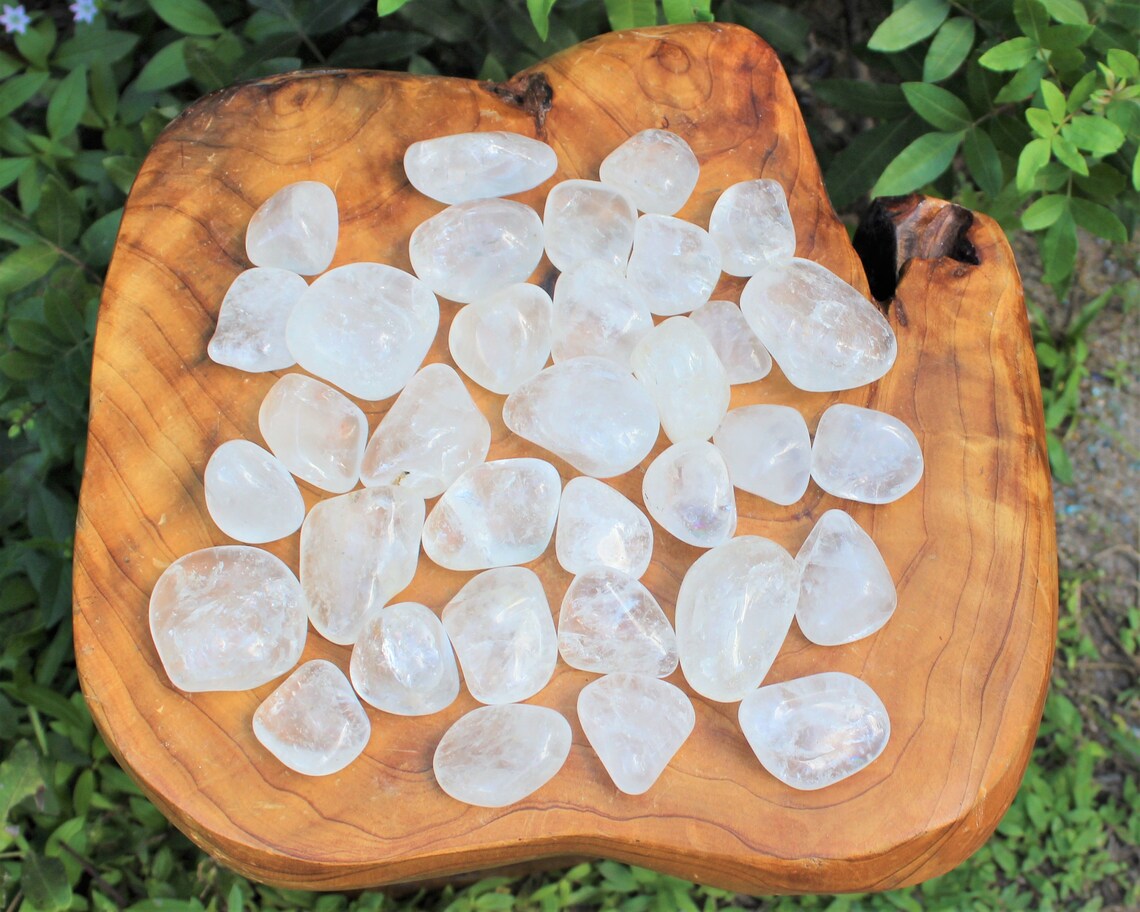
column 15, row 19
column 84, row 10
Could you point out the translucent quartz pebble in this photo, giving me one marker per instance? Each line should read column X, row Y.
column 295, row 229
column 822, row 332
column 688, row 491
column 503, row 633
column 250, row 494
column 364, row 327
column 636, row 724
column 864, row 455
column 432, row 434
column 686, row 379
column 504, row 339
column 468, row 166
column 743, row 355
column 609, row 622
column 768, row 451
column 675, row 263
column 227, row 618
column 846, row 590
column 497, row 755
column 588, row 411
column 402, row 662
column 313, row 722
column 597, row 311
column 752, row 227
column 315, row 431
column 471, row 250
column 598, row 525
column 250, row 334
column 357, row 551
column 494, row 515
column 733, row 611
column 814, row 731
column 587, row 220
column 656, row 168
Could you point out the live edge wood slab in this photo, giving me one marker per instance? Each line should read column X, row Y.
column 962, row 667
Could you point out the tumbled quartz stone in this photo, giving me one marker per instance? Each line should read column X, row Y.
column 402, row 663
column 598, row 525
column 250, row 334
column 432, row 434
column 655, row 168
column 688, row 491
column 504, row 339
column 865, row 455
column 227, row 618
column 846, row 590
column 295, row 229
column 609, row 622
column 497, row 755
column 503, row 633
column 364, row 327
column 678, row 365
column 316, row 432
column 250, row 494
column 752, row 226
column 357, row 551
column 473, row 249
column 469, row 166
column 674, row 263
column 313, row 722
column 743, row 355
column 636, row 724
column 495, row 514
column 597, row 311
column 822, row 332
column 814, row 731
column 588, row 220
column 768, row 451
column 734, row 610
column 588, row 411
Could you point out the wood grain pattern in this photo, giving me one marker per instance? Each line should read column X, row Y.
column 962, row 666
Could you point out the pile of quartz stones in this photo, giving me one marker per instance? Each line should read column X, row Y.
column 235, row 617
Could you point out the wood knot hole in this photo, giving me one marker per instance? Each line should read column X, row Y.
column 672, row 57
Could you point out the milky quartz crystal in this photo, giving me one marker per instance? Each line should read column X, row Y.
column 688, row 491
column 250, row 334
column 357, row 551
column 504, row 339
column 227, row 618
column 364, row 327
column 814, row 731
column 865, row 455
column 295, row 229
column 768, row 451
column 733, row 611
column 636, row 724
column 473, row 249
column 598, row 311
column 250, row 494
column 432, row 434
column 656, row 168
column 822, row 332
column 675, row 263
column 497, row 755
column 469, row 166
column 743, row 355
column 752, row 226
column 590, row 412
column 313, row 722
column 502, row 630
column 598, row 525
column 609, row 622
column 495, row 514
column 678, row 365
column 402, row 662
column 588, row 220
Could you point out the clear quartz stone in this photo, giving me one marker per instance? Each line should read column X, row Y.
column 865, row 455
column 768, row 451
column 598, row 525
column 295, row 229
column 597, row 311
column 688, row 491
column 752, row 227
column 588, row 220
column 468, row 166
column 675, row 264
column 743, row 355
column 655, row 168
column 250, row 494
column 250, row 334
column 502, row 340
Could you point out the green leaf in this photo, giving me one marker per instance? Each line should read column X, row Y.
column 387, row 7
column 1094, row 134
column 164, row 69
column 1100, row 220
column 121, row 169
column 1066, row 153
column 1054, row 100
column 25, row 265
column 12, row 168
column 1024, row 83
column 909, row 24
column 20, row 778
column 1033, row 18
column 918, row 164
column 938, row 107
column 32, row 336
column 1044, row 212
column 856, row 168
column 949, row 49
column 36, row 42
column 1103, row 182
column 627, row 14
column 1009, row 55
column 59, row 217
column 94, row 45
column 16, row 91
column 1123, row 63
column 190, row 17
column 681, row 11
column 1136, row 170
column 1059, row 249
column 1081, row 92
column 540, row 16
column 882, row 101
column 379, row 46
column 44, row 883
column 1040, row 122
column 983, row 161
column 1071, row 12
column 67, row 104
column 329, row 15
column 1033, row 158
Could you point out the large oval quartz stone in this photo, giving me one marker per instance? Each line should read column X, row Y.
column 752, row 226
column 468, row 166
column 675, row 264
column 588, row 220
column 768, row 451
column 688, row 491
column 656, row 168
column 598, row 525
column 597, row 311
column 250, row 494
column 815, row 731
column 295, row 229
column 743, row 355
column 250, row 334
column 865, row 455
column 502, row 340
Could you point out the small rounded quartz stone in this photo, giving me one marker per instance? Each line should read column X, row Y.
column 655, row 168
column 227, row 618
column 743, row 355
column 469, row 166
column 295, row 229
column 598, row 525
column 250, row 494
column 503, row 340
column 598, row 311
column 675, row 264
column 250, row 334
column 588, row 220
column 688, row 491
column 865, row 455
column 768, row 451
column 752, row 226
